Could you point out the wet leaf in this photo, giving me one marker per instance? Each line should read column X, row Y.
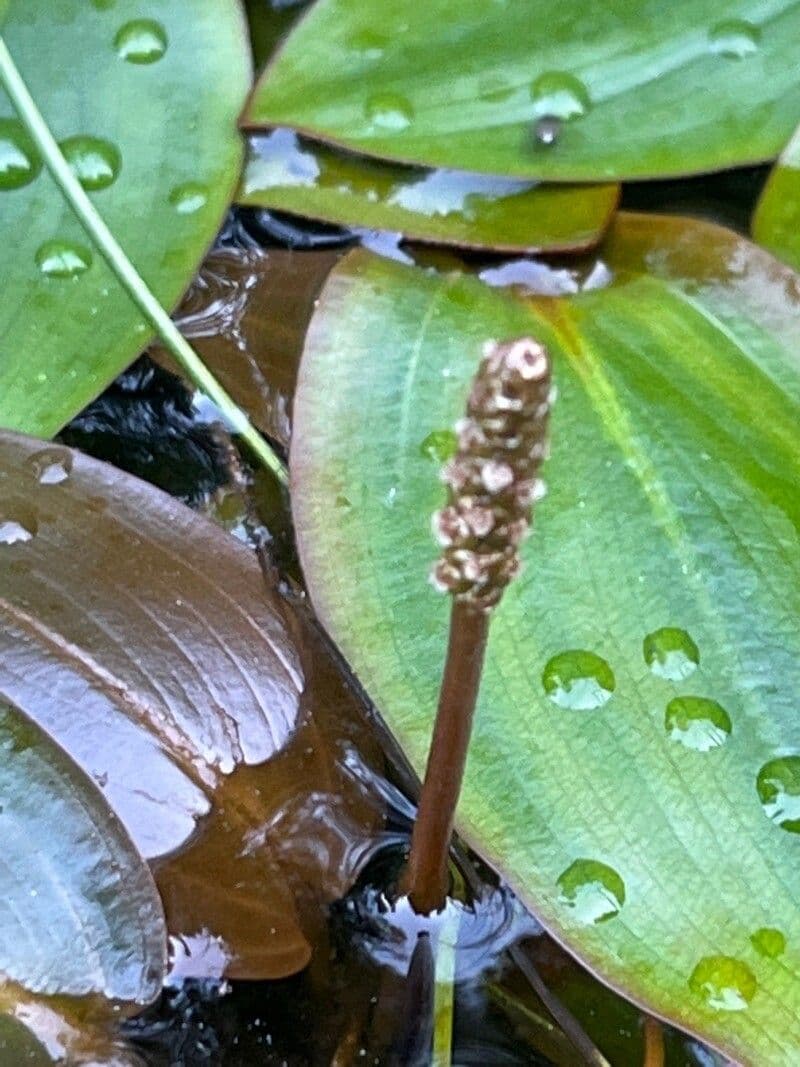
column 448, row 207
column 142, row 637
column 776, row 222
column 161, row 183
column 663, row 564
column 80, row 911
column 572, row 92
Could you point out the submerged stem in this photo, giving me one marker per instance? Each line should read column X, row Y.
column 126, row 273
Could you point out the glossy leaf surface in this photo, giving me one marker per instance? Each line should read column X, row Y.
column 448, row 207
column 653, row 834
column 641, row 89
column 79, row 911
column 776, row 222
column 143, row 638
column 161, row 182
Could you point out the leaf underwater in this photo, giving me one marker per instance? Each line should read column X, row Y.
column 66, row 326
column 652, row 834
column 439, row 206
column 79, row 910
column 776, row 220
column 644, row 89
column 142, row 637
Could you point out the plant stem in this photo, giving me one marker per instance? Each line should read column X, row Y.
column 653, row 1042
column 126, row 273
column 426, row 879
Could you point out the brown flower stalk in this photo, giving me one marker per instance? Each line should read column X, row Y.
column 492, row 485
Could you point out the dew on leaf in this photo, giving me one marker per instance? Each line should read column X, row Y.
column 389, row 111
column 578, row 680
column 188, row 198
column 63, row 259
column 671, row 653
column 697, row 723
column 19, row 160
column 592, row 890
column 141, row 41
column 50, row 466
column 439, row 445
column 723, row 982
column 734, row 38
column 546, row 130
column 769, row 942
column 558, row 95
column 778, row 785
column 95, row 163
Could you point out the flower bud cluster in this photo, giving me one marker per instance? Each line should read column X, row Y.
column 492, row 478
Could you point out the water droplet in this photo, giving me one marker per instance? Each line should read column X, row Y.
column 593, row 890
column 578, row 680
column 63, row 259
column 724, row 983
column 369, row 43
column 778, row 786
column 50, row 466
column 19, row 160
column 671, row 653
column 558, row 95
column 95, row 163
column 697, row 723
column 188, row 198
column 769, row 942
column 141, row 41
column 734, row 38
column 17, row 531
column 546, row 129
column 389, row 111
column 439, row 445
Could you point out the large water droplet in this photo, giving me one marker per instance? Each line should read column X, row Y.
column 188, row 198
column 63, row 259
column 697, row 723
column 592, row 890
column 19, row 160
column 778, row 786
column 141, row 41
column 734, row 38
column 559, row 95
column 439, row 445
column 389, row 111
column 94, row 162
column 18, row 530
column 723, row 982
column 671, row 653
column 578, row 680
column 50, row 466
column 769, row 942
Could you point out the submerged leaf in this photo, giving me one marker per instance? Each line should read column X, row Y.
column 442, row 206
column 672, row 505
column 160, row 182
column 568, row 92
column 79, row 911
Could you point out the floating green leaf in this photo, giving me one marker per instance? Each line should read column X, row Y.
column 80, row 911
column 161, row 183
column 776, row 222
column 567, row 92
column 450, row 207
column 673, row 505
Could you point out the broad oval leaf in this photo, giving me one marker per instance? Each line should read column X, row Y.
column 641, row 89
column 633, row 766
column 776, row 221
column 442, row 206
column 151, row 132
column 79, row 911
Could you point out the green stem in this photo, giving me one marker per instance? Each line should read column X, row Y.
column 126, row 273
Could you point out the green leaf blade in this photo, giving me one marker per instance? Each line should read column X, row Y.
column 776, row 221
column 671, row 503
